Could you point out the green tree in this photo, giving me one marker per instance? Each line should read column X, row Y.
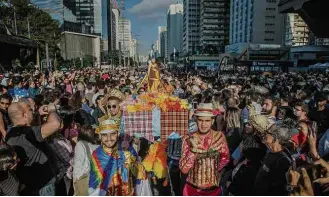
column 43, row 28
column 114, row 57
column 88, row 61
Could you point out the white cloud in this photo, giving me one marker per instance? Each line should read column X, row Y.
column 154, row 15
column 146, row 7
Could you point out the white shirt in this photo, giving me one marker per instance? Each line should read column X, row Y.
column 81, row 163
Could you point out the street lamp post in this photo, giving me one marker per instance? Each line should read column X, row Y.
column 82, row 54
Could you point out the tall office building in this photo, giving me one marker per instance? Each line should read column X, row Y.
column 191, row 26
column 175, row 28
column 163, row 44
column 125, row 36
column 116, row 16
column 256, row 22
column 296, row 31
column 161, row 29
column 214, row 23
column 65, row 13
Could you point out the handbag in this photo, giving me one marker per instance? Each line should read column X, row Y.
column 81, row 186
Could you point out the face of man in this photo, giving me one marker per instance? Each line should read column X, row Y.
column 267, row 106
column 100, row 100
column 4, row 104
column 113, row 107
column 122, row 81
column 27, row 114
column 32, row 104
column 321, row 104
column 204, row 124
column 267, row 139
column 109, row 139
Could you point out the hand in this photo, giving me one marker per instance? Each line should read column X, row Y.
column 43, row 110
column 293, row 177
column 51, row 108
column 306, row 189
column 325, row 172
column 193, row 142
column 312, row 142
column 190, row 114
column 84, row 100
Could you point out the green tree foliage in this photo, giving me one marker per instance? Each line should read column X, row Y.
column 114, row 57
column 88, row 61
column 42, row 27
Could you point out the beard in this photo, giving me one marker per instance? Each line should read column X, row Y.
column 266, row 112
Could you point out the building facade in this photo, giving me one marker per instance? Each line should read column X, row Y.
column 191, row 26
column 214, row 23
column 76, row 45
column 175, row 29
column 256, row 22
column 297, row 31
column 125, row 36
column 116, row 16
column 133, row 49
column 163, row 44
column 161, row 30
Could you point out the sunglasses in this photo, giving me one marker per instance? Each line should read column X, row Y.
column 2, row 103
column 112, row 106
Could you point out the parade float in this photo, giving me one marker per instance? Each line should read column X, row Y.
column 161, row 119
column 155, row 114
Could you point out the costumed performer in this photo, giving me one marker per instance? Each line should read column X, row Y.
column 204, row 155
column 153, row 75
column 114, row 171
column 112, row 103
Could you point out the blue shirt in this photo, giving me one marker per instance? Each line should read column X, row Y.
column 18, row 93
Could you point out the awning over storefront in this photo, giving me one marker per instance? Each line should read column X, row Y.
column 19, row 41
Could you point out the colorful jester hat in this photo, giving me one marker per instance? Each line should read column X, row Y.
column 108, row 126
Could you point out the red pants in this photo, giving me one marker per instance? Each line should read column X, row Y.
column 191, row 191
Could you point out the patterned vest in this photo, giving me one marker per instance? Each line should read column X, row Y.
column 204, row 173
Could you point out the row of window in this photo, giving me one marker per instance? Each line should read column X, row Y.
column 270, row 17
column 269, row 32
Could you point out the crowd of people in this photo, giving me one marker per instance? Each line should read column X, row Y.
column 249, row 134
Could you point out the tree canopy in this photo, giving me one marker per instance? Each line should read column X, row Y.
column 43, row 28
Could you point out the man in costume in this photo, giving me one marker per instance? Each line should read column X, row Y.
column 111, row 103
column 204, row 154
column 114, row 171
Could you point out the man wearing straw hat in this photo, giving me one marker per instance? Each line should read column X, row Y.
column 204, row 154
column 113, row 171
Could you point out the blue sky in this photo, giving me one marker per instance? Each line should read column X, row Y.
column 145, row 17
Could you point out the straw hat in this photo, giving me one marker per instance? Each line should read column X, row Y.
column 117, row 93
column 260, row 123
column 205, row 110
column 108, row 126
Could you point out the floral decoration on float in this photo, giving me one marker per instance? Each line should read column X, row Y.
column 147, row 101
